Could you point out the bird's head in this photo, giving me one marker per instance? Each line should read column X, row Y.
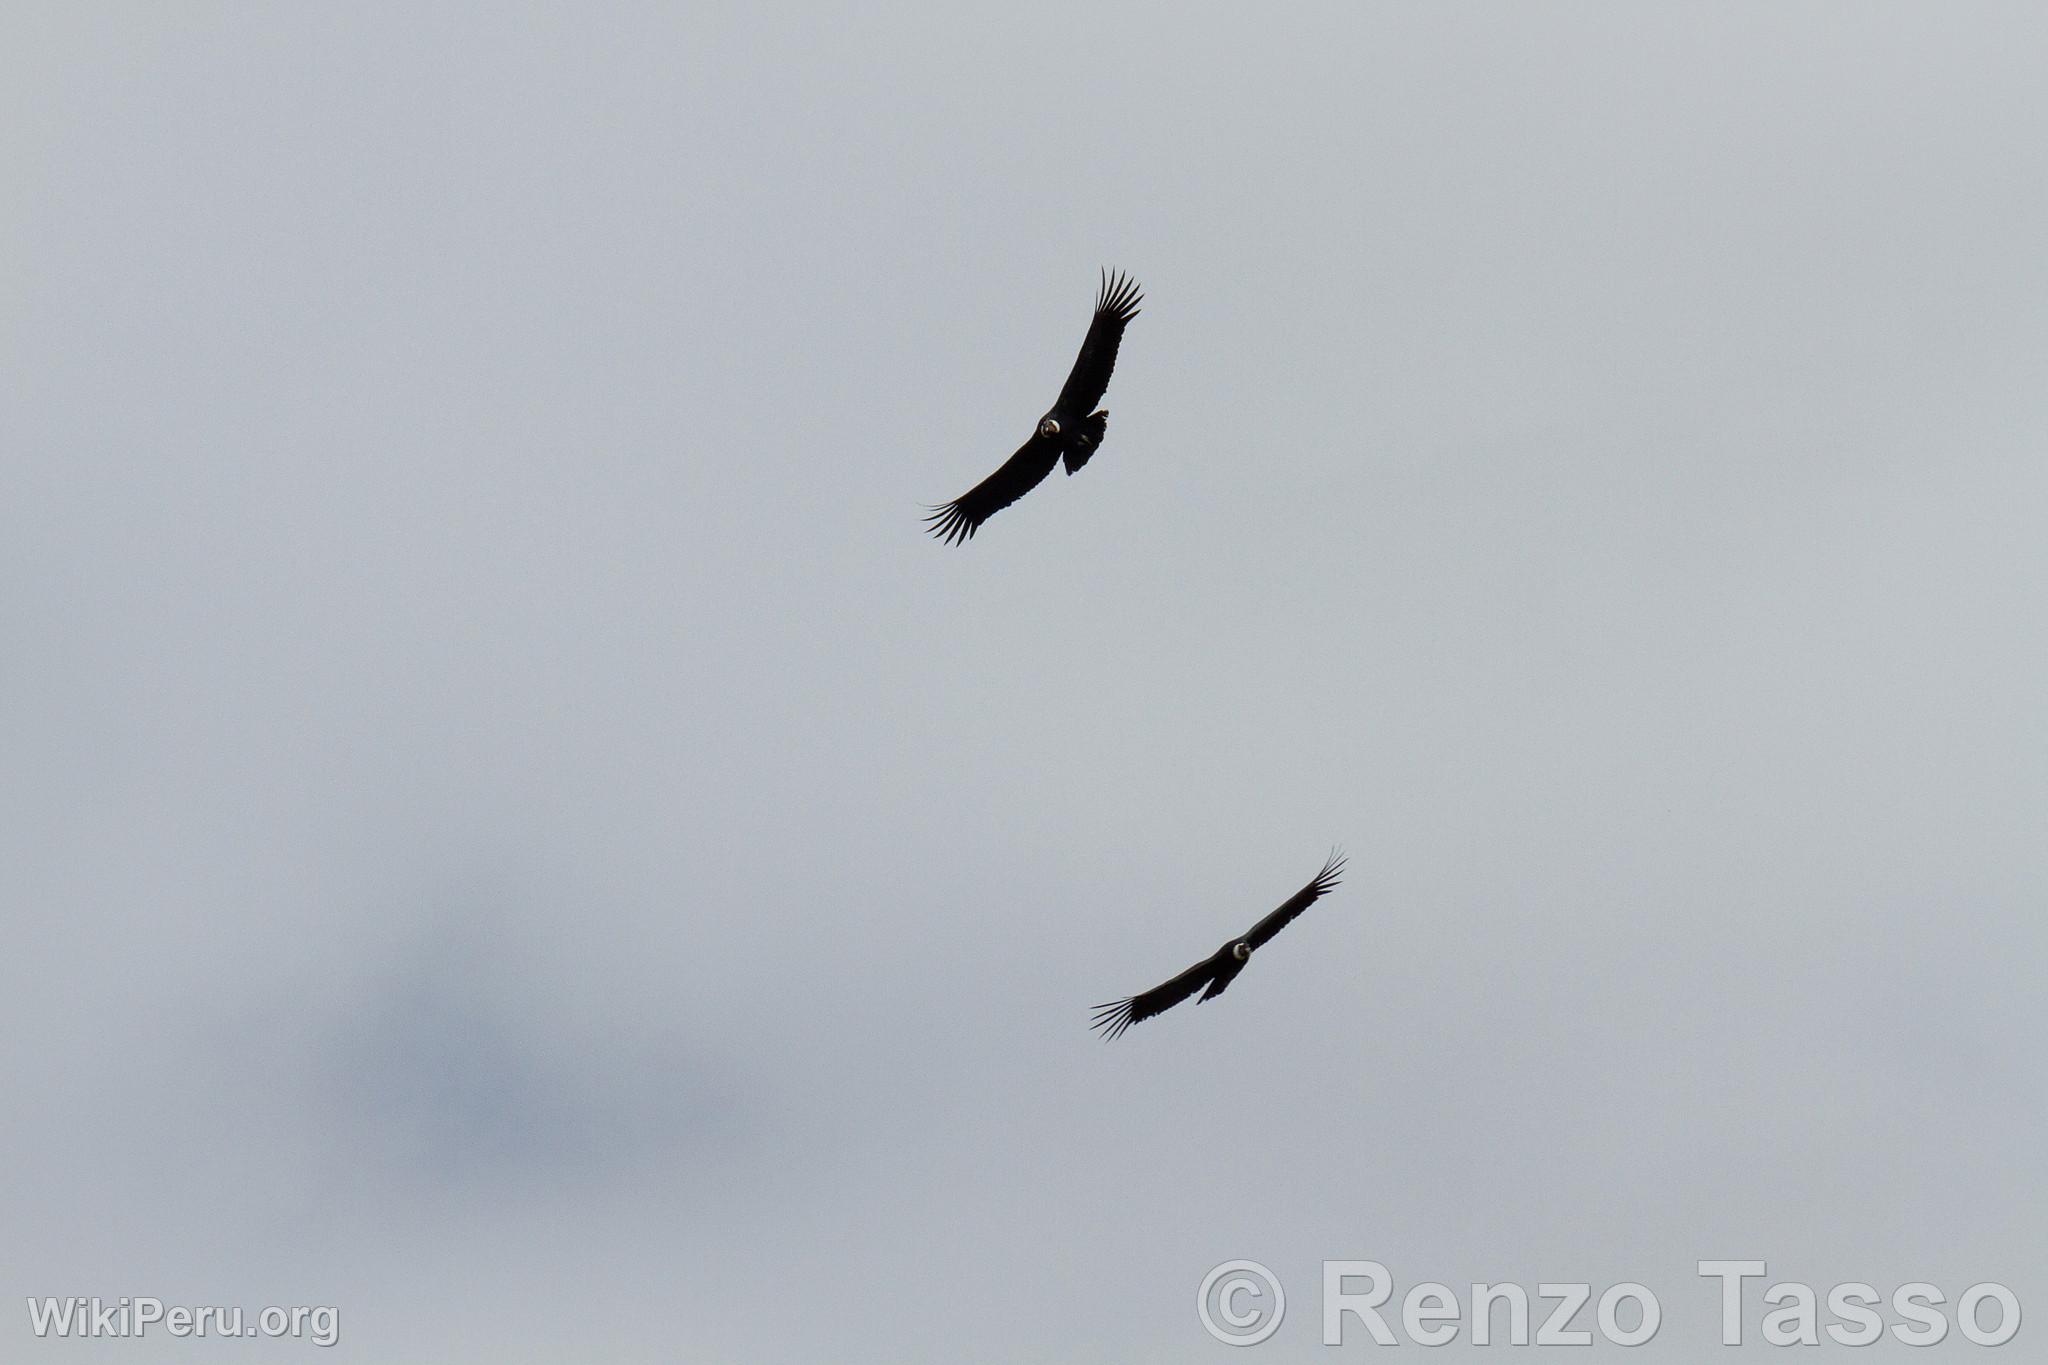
column 1241, row 950
column 1049, row 426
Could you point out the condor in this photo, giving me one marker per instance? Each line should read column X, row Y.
column 1222, row 967
column 1069, row 431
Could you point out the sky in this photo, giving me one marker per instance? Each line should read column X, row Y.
column 510, row 830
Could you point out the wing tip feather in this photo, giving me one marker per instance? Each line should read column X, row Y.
column 1114, row 1017
column 1118, row 296
column 950, row 524
column 1333, row 870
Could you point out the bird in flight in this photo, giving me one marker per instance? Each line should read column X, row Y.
column 1069, row 430
column 1221, row 968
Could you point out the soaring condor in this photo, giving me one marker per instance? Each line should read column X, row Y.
column 1070, row 431
column 1218, row 971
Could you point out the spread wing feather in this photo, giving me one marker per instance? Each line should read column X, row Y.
column 1116, row 303
column 957, row 521
column 1262, row 932
column 1117, row 1015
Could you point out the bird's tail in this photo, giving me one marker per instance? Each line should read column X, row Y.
column 1086, row 443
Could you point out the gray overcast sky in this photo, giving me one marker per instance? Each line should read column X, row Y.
column 510, row 829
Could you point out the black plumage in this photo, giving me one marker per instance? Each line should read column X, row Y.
column 1219, row 970
column 1071, row 430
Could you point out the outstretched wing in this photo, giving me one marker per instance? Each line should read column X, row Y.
column 1263, row 931
column 1116, row 303
column 1118, row 1015
column 958, row 520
